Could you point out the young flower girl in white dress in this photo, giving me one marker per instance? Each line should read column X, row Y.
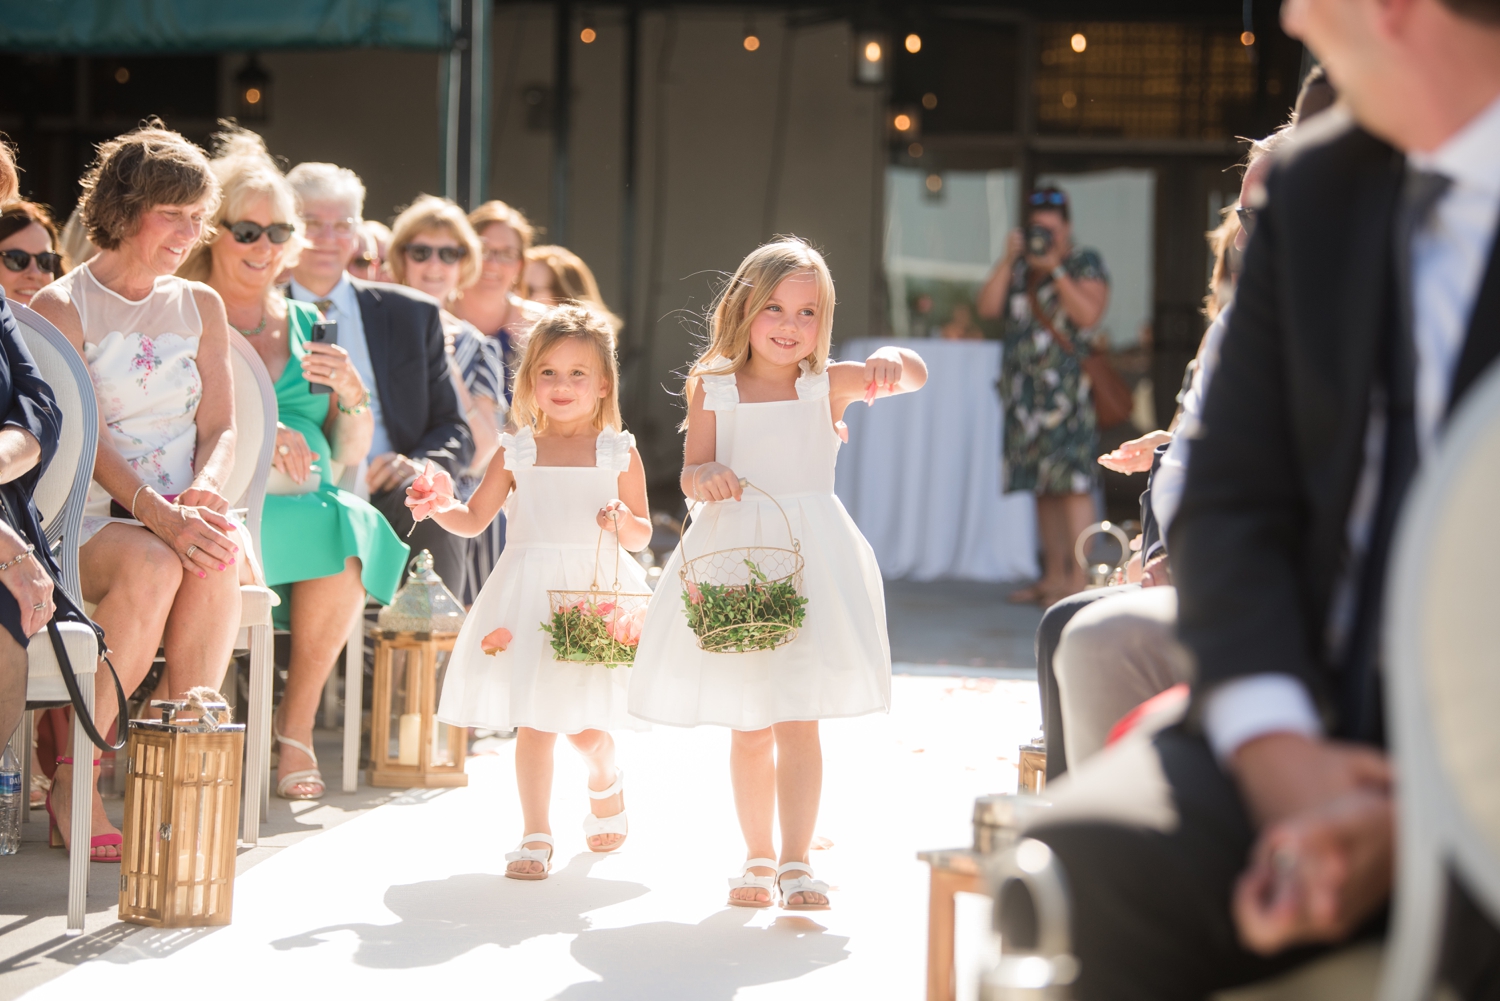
column 568, row 472
column 764, row 404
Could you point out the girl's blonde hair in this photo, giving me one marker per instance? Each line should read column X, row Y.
column 747, row 293
column 555, row 326
column 246, row 171
column 428, row 213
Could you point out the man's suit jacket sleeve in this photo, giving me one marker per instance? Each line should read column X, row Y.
column 447, row 440
column 1239, row 536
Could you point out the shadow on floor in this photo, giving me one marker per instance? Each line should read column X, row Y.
column 960, row 622
column 443, row 919
column 708, row 961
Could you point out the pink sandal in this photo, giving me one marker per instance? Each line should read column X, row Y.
column 54, row 832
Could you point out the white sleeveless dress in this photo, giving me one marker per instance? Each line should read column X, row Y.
column 840, row 663
column 550, row 542
column 143, row 358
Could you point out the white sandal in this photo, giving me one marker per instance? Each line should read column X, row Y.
column 524, row 854
column 616, row 824
column 307, row 776
column 802, row 884
column 745, row 879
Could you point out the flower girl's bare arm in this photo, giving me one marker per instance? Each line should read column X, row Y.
column 436, row 501
column 702, row 477
column 629, row 516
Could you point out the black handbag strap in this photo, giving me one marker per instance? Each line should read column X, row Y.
column 82, row 712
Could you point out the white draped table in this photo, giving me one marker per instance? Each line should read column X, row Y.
column 921, row 473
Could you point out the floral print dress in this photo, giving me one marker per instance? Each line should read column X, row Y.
column 1050, row 441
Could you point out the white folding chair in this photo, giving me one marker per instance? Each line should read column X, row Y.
column 1443, row 690
column 59, row 497
column 255, row 440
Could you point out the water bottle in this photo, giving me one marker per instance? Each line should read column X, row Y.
column 10, row 802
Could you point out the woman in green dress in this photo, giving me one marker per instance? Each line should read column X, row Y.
column 322, row 547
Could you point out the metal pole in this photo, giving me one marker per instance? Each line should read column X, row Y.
column 628, row 199
column 562, row 96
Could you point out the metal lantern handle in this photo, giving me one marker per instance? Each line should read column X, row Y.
column 599, row 546
column 682, row 530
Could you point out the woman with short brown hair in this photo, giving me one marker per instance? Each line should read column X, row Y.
column 161, row 555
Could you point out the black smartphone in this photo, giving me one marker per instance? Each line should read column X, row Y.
column 323, row 332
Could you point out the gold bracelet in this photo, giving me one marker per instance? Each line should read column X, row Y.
column 18, row 558
column 358, row 408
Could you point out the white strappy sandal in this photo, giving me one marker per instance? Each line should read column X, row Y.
column 307, row 776
column 746, row 879
column 802, row 884
column 524, row 854
column 617, row 824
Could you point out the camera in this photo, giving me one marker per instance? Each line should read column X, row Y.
column 1038, row 241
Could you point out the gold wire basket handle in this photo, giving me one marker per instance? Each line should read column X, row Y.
column 682, row 530
column 614, row 516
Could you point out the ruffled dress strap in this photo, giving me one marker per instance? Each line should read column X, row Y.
column 519, row 448
column 810, row 385
column 720, row 392
column 612, row 450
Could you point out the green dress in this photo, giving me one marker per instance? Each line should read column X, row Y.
column 309, row 535
column 1050, row 440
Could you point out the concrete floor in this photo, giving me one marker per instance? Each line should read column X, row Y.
column 403, row 891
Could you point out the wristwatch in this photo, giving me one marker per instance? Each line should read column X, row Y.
column 1059, row 273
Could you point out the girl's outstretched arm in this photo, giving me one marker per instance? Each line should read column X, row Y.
column 887, row 372
column 702, row 477
column 432, row 497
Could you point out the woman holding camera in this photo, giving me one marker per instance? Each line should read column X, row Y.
column 1050, row 295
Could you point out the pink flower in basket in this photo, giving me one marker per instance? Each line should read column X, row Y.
column 496, row 641
column 625, row 627
column 694, row 594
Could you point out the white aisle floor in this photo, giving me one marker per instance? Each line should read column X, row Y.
column 409, row 900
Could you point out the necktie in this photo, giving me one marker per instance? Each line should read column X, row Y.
column 1363, row 714
column 324, row 305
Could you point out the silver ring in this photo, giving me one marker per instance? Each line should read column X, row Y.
column 284, row 449
column 38, row 608
column 191, row 550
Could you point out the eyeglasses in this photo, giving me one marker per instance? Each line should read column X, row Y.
column 1247, row 219
column 1047, row 198
column 319, row 227
column 19, row 260
column 421, row 253
column 506, row 256
column 362, row 261
column 246, row 231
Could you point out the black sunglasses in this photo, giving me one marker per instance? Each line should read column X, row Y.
column 19, row 260
column 421, row 252
column 1247, row 219
column 1048, row 198
column 246, row 231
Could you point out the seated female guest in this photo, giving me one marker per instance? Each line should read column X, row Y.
column 28, row 439
column 161, row 557
column 435, row 250
column 556, row 275
column 28, row 251
column 493, row 303
column 323, row 547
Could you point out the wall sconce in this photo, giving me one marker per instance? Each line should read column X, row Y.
column 252, row 86
column 871, row 56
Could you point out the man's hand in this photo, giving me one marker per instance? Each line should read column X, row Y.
column 389, row 471
column 1135, row 456
column 1317, row 876
column 1282, row 775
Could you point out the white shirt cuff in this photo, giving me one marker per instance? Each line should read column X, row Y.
column 1238, row 711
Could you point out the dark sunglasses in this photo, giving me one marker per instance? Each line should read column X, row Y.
column 1247, row 219
column 421, row 252
column 19, row 260
column 245, row 231
column 1048, row 198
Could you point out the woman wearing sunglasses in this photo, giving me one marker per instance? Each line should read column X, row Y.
column 28, row 251
column 324, row 548
column 435, row 250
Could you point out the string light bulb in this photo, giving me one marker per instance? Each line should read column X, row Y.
column 1247, row 38
column 752, row 40
column 587, row 35
column 1079, row 42
column 872, row 52
column 913, row 43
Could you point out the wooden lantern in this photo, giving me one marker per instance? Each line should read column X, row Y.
column 409, row 746
column 182, row 816
column 1032, row 771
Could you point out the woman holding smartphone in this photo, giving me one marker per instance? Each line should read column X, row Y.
column 323, row 547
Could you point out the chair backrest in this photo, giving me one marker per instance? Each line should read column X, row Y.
column 255, row 432
column 64, row 486
column 1442, row 656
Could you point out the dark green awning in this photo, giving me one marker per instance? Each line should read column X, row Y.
column 168, row 27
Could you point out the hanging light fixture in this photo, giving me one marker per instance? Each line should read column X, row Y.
column 871, row 55
column 252, row 86
column 588, row 33
column 751, row 40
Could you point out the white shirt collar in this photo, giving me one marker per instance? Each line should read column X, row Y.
column 1470, row 154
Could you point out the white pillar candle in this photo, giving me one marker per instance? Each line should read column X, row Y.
column 408, row 742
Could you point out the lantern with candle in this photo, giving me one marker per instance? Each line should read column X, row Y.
column 409, row 746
